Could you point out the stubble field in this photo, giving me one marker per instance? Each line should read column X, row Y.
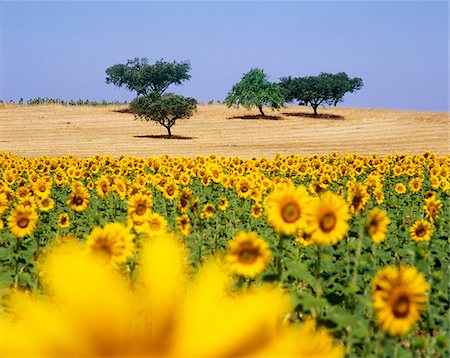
column 55, row 130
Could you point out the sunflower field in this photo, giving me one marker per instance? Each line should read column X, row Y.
column 327, row 256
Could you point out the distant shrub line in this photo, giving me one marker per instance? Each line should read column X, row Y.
column 78, row 102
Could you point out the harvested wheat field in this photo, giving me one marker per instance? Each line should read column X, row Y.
column 84, row 131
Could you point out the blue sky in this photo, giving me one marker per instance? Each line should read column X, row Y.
column 61, row 49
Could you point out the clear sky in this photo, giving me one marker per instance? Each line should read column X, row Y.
column 61, row 49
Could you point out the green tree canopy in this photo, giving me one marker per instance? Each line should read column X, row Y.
column 164, row 109
column 254, row 89
column 140, row 76
column 326, row 88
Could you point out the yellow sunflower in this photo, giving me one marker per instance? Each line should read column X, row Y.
column 63, row 220
column 42, row 187
column 79, row 198
column 45, row 204
column 398, row 297
column 357, row 197
column 170, row 191
column 304, row 238
column 103, row 186
column 139, row 206
column 155, row 224
column 244, row 187
column 421, row 231
column 328, row 222
column 184, row 224
column 400, row 188
column 113, row 243
column 248, row 254
column 377, row 225
column 287, row 209
column 415, row 184
column 184, row 199
column 223, row 204
column 4, row 203
column 432, row 206
column 120, row 187
column 22, row 221
column 256, row 210
column 208, row 211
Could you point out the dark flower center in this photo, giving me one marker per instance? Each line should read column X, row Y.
column 420, row 231
column 290, row 212
column 78, row 200
column 400, row 308
column 23, row 223
column 328, row 222
column 248, row 256
column 140, row 209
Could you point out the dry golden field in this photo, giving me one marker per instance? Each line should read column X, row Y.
column 84, row 131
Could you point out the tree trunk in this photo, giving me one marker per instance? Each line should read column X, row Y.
column 315, row 109
column 261, row 111
column 168, row 130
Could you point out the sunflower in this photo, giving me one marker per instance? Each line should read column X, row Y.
column 379, row 194
column 4, row 203
column 287, row 209
column 103, row 186
column 415, row 184
column 421, row 231
column 432, row 206
column 45, row 204
column 42, row 187
column 184, row 224
column 166, row 310
column 195, row 205
column 256, row 210
column 155, row 224
column 113, row 243
column 304, row 238
column 63, row 220
column 223, row 203
column 400, row 188
column 357, row 197
column 120, row 187
column 184, row 199
column 79, row 198
column 139, row 206
column 377, row 225
column 22, row 221
column 244, row 187
column 28, row 201
column 328, row 222
column 248, row 254
column 208, row 211
column 170, row 191
column 435, row 182
column 398, row 297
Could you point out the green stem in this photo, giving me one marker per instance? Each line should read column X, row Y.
column 278, row 256
column 317, row 271
column 16, row 269
column 357, row 256
column 395, row 355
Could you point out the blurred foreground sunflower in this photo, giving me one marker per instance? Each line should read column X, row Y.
column 90, row 311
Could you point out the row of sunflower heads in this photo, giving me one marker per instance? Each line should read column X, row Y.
column 322, row 219
column 87, row 309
